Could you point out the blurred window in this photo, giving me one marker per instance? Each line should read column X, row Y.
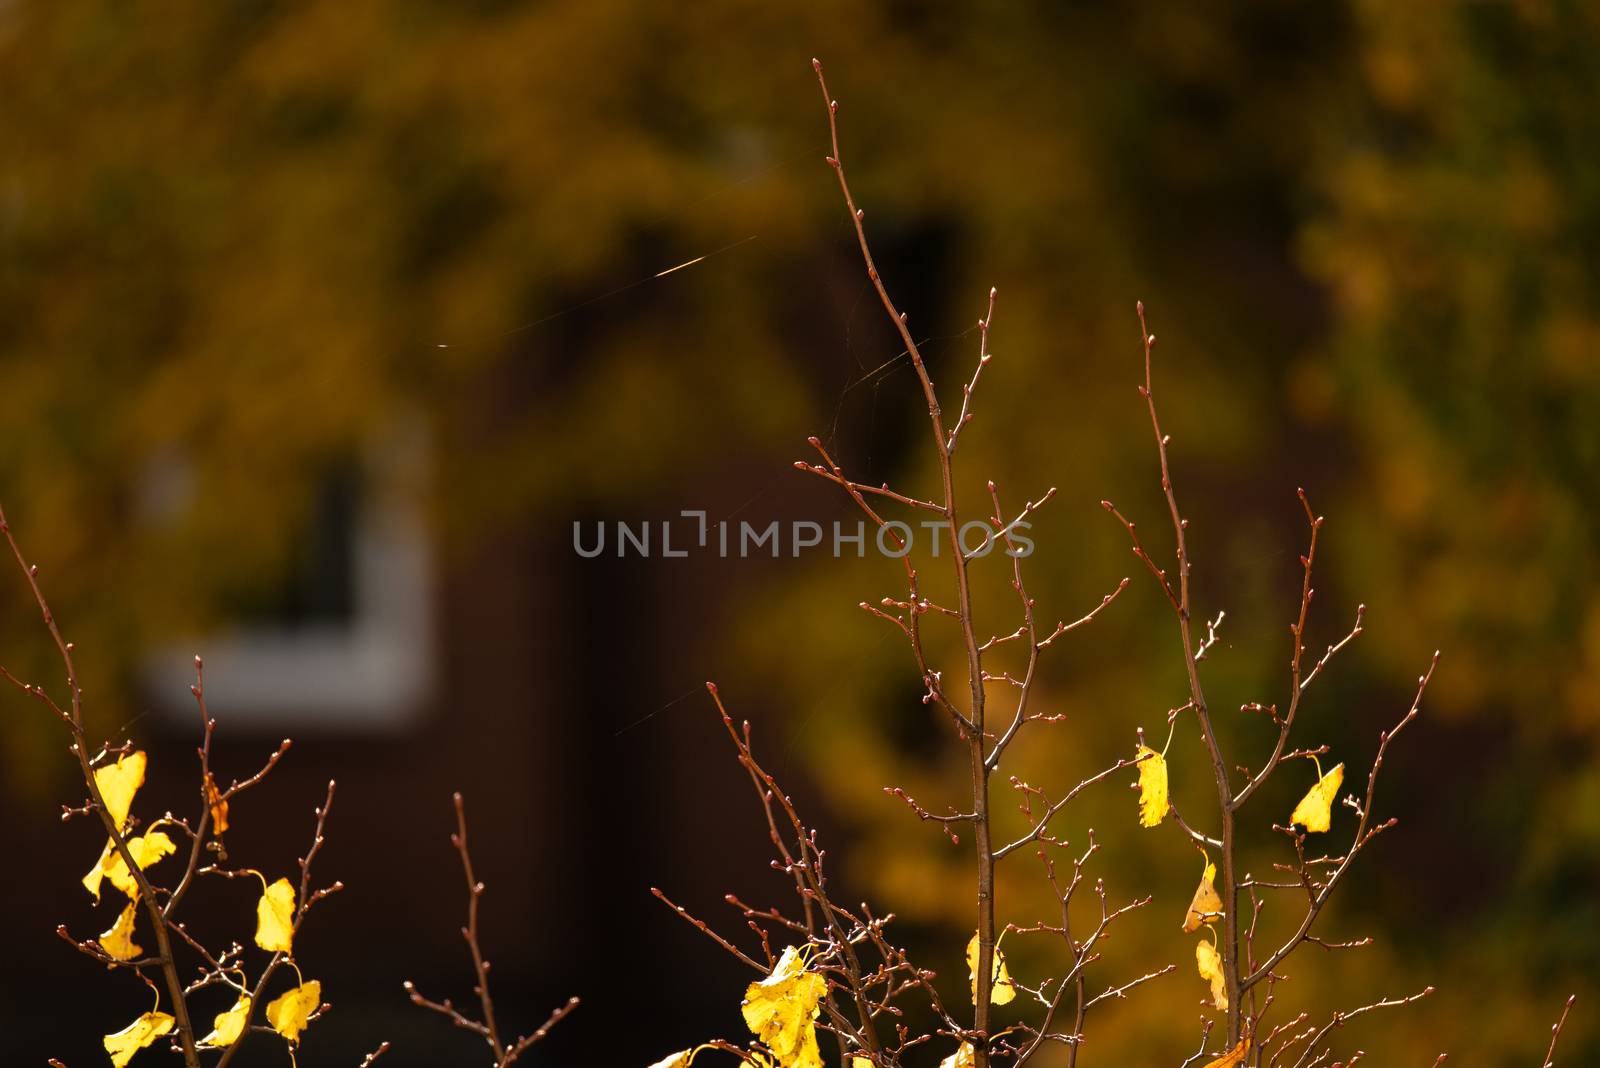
column 345, row 642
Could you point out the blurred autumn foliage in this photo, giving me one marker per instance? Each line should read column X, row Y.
column 237, row 240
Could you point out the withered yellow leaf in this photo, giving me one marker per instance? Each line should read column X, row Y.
column 118, row 783
column 1152, row 786
column 118, row 942
column 289, row 1012
column 1316, row 808
column 146, row 850
column 226, row 1027
column 780, row 1010
column 136, row 1036
column 275, row 918
column 1234, row 1057
column 219, row 807
column 858, row 1061
column 1206, row 904
column 1003, row 990
column 1209, row 961
column 961, row 1058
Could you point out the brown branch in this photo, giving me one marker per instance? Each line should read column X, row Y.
column 1341, row 1018
column 1365, row 832
column 975, row 713
column 305, row 902
column 1179, row 599
column 1298, row 685
column 488, row 1027
column 1555, row 1032
column 80, row 749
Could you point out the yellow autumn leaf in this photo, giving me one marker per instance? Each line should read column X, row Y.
column 1003, row 991
column 780, row 1010
column 275, row 918
column 219, row 807
column 1234, row 1057
column 146, row 850
column 686, row 1058
column 1209, row 961
column 91, row 881
column 226, row 1027
column 961, row 1058
column 1152, row 786
column 291, row 1011
column 118, row 942
column 118, row 783
column 1316, row 808
column 136, row 1036
column 858, row 1061
column 1206, row 904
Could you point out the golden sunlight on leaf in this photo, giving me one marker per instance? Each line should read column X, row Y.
column 1209, row 963
column 961, row 1058
column 91, row 881
column 136, row 1036
column 1152, row 786
column 686, row 1058
column 779, row 1010
column 118, row 783
column 145, row 850
column 275, row 918
column 219, row 807
column 291, row 1011
column 1234, row 1057
column 1206, row 904
column 1003, row 990
column 1315, row 810
column 118, row 942
column 226, row 1027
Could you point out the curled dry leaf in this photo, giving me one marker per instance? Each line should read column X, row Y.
column 1003, row 991
column 1234, row 1057
column 1207, row 905
column 1315, row 810
column 226, row 1027
column 1152, row 786
column 290, row 1011
column 136, row 1036
column 275, row 918
column 219, row 807
column 780, row 1010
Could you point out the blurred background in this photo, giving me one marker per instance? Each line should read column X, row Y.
column 321, row 323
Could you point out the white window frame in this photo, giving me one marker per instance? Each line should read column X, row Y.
column 374, row 673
